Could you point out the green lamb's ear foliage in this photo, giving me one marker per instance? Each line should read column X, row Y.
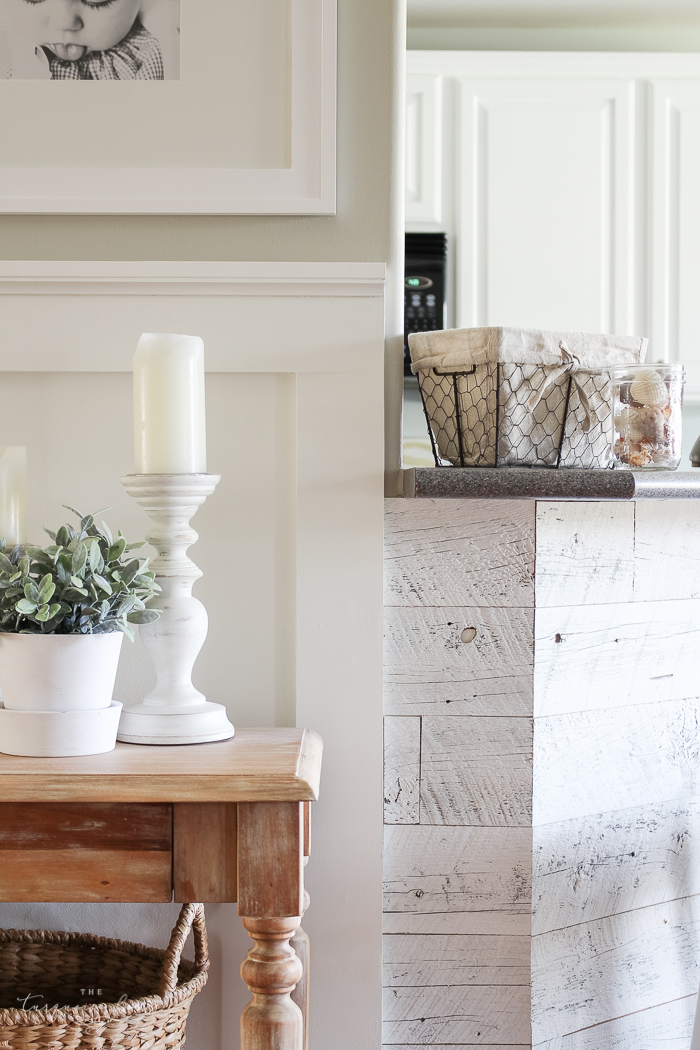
column 81, row 584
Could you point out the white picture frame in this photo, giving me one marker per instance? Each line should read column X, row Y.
column 305, row 187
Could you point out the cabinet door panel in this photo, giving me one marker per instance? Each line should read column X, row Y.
column 423, row 148
column 676, row 227
column 545, row 194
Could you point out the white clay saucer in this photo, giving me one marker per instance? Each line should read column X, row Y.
column 59, row 734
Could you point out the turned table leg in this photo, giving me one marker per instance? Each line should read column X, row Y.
column 270, row 903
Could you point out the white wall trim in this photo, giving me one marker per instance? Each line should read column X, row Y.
column 191, row 278
column 643, row 65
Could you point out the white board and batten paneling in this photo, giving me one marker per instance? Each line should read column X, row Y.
column 291, row 350
column 569, row 200
column 588, row 627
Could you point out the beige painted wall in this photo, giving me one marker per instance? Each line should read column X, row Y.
column 368, row 226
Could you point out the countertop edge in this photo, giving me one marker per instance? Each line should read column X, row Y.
column 539, row 483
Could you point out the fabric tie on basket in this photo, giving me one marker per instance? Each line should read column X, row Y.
column 571, row 365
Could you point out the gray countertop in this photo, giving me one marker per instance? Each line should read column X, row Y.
column 533, row 483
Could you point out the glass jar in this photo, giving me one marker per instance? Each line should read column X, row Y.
column 647, row 409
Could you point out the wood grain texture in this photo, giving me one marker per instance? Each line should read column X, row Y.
column 271, row 969
column 421, row 961
column 624, row 757
column 615, row 655
column 667, row 550
column 666, row 1027
column 513, row 923
column 85, row 875
column 445, row 871
column 601, row 970
column 204, row 852
column 85, row 825
column 459, row 552
column 402, row 770
column 585, row 553
column 257, row 764
column 476, row 771
column 459, row 1015
column 606, row 864
column 428, row 669
column 270, row 859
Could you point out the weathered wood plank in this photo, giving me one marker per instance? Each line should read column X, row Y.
column 204, row 852
column 402, row 770
column 667, row 550
column 85, row 875
column 585, row 553
column 420, row 961
column 605, row 656
column 86, row 825
column 429, row 669
column 513, row 923
column 597, row 761
column 449, row 870
column 666, row 1027
column 459, row 1015
column 601, row 970
column 596, row 866
column 459, row 552
column 476, row 771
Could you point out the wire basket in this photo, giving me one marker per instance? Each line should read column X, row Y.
column 482, row 417
column 100, row 993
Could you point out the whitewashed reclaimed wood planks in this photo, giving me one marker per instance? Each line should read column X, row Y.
column 420, row 961
column 429, row 669
column 516, row 922
column 598, row 761
column 445, row 871
column 439, row 1015
column 401, row 770
column 459, row 552
column 603, row 656
column 600, row 970
column 667, row 550
column 665, row 1027
column 476, row 771
column 585, row 553
column 605, row 864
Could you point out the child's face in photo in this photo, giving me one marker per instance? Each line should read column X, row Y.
column 72, row 28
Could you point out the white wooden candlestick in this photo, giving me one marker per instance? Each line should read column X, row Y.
column 174, row 712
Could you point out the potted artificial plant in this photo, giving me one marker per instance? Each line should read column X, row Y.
column 64, row 610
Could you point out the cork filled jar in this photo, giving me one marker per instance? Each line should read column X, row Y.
column 647, row 416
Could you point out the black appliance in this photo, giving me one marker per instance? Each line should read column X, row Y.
column 424, row 287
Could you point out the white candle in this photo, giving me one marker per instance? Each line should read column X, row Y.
column 13, row 494
column 169, row 416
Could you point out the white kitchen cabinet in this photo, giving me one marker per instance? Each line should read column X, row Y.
column 568, row 186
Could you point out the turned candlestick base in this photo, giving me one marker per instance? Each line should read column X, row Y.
column 174, row 712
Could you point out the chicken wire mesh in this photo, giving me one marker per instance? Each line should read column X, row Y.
column 483, row 417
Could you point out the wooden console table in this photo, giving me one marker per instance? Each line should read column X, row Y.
column 216, row 822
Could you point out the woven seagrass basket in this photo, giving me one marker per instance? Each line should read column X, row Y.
column 99, row 993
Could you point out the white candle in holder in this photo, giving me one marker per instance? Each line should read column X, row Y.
column 13, row 494
column 169, row 415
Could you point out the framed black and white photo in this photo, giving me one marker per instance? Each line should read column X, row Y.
column 167, row 106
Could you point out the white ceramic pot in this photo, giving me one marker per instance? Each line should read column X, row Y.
column 59, row 734
column 58, row 672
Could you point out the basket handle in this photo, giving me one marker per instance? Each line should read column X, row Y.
column 191, row 917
